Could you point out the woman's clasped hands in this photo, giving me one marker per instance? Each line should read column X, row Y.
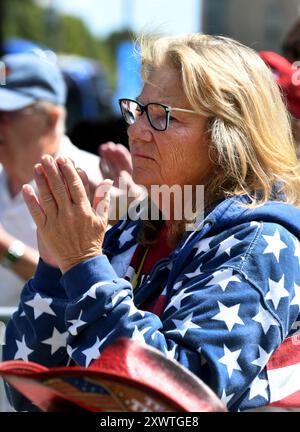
column 68, row 227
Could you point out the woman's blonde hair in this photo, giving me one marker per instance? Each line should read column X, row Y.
column 249, row 128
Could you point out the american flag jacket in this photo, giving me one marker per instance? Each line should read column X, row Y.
column 230, row 293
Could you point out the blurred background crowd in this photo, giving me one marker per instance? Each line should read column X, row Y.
column 92, row 44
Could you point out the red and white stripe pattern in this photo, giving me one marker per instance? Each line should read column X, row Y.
column 284, row 374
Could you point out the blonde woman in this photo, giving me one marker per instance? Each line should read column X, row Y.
column 223, row 297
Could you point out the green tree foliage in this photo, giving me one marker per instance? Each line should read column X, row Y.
column 24, row 19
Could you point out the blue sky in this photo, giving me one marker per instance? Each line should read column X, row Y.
column 163, row 16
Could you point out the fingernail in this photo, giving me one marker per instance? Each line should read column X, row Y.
column 38, row 169
column 61, row 160
column 26, row 188
column 108, row 182
column 48, row 160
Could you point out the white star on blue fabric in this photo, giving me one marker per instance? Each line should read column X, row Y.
column 197, row 272
column 70, row 351
column 182, row 326
column 130, row 274
column 265, row 319
column 169, row 266
column 73, row 329
column 229, row 315
column 223, row 278
column 132, row 309
column 297, row 249
column 93, row 352
column 56, row 341
column 164, row 291
column 295, row 326
column 263, row 358
column 202, row 358
column 118, row 295
column 258, row 388
column 177, row 299
column 275, row 244
column 296, row 298
column 126, row 236
column 91, row 292
column 226, row 245
column 276, row 291
column 23, row 350
column 138, row 335
column 229, row 359
column 40, row 305
column 226, row 398
column 254, row 224
column 177, row 285
column 171, row 353
column 202, row 245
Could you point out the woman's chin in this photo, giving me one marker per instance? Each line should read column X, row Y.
column 142, row 177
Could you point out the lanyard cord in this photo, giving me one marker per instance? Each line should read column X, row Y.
column 134, row 283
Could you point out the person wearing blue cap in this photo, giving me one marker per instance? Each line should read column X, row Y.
column 32, row 119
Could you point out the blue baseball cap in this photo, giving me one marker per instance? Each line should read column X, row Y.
column 29, row 78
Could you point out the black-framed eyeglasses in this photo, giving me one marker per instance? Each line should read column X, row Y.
column 158, row 114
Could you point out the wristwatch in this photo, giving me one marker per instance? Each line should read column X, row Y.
column 14, row 253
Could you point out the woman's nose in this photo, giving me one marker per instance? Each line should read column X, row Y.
column 140, row 129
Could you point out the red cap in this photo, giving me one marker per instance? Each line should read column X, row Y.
column 284, row 73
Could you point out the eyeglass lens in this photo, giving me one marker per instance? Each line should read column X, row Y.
column 156, row 113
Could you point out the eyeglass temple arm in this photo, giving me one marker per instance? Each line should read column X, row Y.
column 183, row 110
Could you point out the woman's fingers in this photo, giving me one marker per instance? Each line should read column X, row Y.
column 73, row 181
column 108, row 168
column 46, row 198
column 117, row 156
column 60, row 183
column 123, row 158
column 104, row 168
column 85, row 180
column 102, row 198
column 33, row 205
column 55, row 180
